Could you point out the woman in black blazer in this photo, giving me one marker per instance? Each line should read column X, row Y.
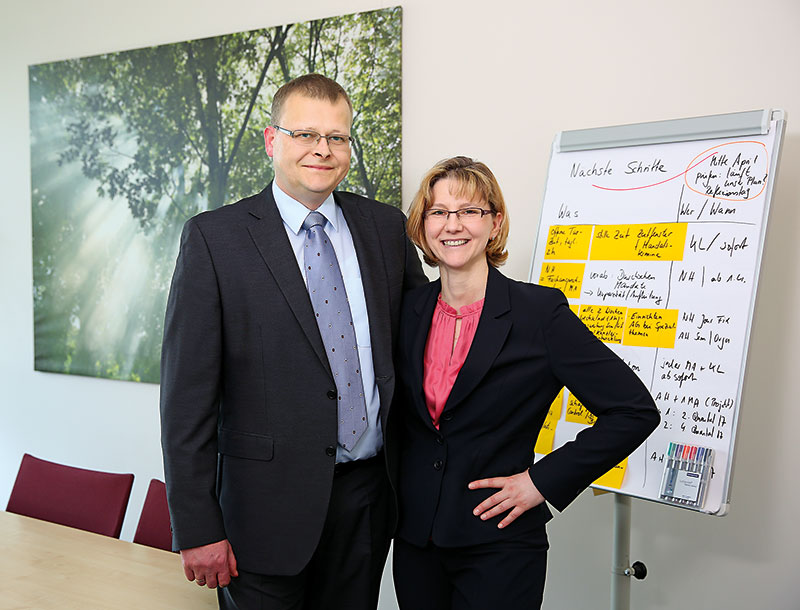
column 481, row 358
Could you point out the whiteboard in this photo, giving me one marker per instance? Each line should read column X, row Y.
column 655, row 233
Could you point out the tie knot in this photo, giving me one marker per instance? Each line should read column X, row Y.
column 313, row 219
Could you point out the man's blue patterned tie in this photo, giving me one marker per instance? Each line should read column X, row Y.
column 332, row 310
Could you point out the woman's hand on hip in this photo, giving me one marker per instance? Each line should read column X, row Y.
column 517, row 494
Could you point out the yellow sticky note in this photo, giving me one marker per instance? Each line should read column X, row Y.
column 651, row 327
column 637, row 242
column 544, row 442
column 577, row 413
column 606, row 321
column 575, row 308
column 613, row 478
column 569, row 242
column 567, row 277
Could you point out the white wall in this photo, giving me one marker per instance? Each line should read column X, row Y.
column 476, row 74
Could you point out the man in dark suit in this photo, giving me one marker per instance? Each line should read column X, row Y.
column 268, row 501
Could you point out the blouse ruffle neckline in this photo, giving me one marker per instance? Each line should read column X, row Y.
column 443, row 360
column 466, row 310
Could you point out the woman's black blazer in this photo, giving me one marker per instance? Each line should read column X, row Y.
column 528, row 345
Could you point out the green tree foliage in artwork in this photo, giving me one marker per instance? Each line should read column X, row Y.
column 170, row 131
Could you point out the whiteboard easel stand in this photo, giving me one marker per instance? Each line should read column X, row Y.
column 755, row 123
column 621, row 569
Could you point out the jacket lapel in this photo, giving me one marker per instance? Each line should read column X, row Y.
column 418, row 339
column 490, row 337
column 269, row 235
column 372, row 263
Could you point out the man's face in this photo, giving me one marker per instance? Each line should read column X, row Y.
column 309, row 173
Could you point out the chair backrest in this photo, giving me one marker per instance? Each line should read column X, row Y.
column 85, row 499
column 154, row 524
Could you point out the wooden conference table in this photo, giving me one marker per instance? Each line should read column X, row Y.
column 44, row 566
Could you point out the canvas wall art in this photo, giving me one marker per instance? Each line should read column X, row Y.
column 126, row 146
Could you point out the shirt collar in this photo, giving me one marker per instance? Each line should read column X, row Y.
column 294, row 213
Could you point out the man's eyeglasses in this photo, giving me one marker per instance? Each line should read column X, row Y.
column 465, row 215
column 306, row 137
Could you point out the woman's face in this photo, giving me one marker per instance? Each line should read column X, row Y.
column 459, row 242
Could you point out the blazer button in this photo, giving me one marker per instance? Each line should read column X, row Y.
column 447, row 416
column 332, row 394
column 437, row 465
column 439, row 440
column 330, row 451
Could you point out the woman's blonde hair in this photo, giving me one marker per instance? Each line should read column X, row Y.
column 475, row 181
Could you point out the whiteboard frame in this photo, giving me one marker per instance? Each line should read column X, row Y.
column 737, row 124
column 750, row 123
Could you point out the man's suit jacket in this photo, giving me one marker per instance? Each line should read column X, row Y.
column 248, row 401
column 527, row 346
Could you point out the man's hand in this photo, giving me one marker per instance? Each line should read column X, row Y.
column 517, row 494
column 211, row 565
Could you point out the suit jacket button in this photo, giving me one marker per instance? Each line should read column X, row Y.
column 437, row 465
column 332, row 394
column 439, row 440
column 330, row 451
column 447, row 416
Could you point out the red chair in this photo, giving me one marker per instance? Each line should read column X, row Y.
column 154, row 524
column 85, row 499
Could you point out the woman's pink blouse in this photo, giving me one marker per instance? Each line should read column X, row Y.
column 442, row 360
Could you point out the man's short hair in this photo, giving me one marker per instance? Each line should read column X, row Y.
column 315, row 86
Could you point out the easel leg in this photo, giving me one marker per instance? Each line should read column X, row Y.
column 620, row 558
